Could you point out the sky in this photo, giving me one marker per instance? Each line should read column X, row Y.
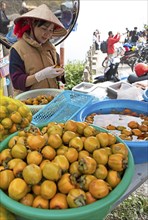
column 107, row 15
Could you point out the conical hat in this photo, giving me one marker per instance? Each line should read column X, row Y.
column 44, row 13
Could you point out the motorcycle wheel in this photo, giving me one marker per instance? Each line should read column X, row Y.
column 131, row 62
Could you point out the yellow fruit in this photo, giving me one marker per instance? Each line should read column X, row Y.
column 5, row 214
column 27, row 199
column 55, row 140
column 91, row 143
column 6, row 176
column 7, row 123
column 113, row 178
column 76, row 143
column 52, row 171
column 19, row 151
column 32, row 174
column 36, row 142
column 99, row 188
column 17, row 189
column 34, row 157
column 103, row 138
column 101, row 156
column 48, row 189
column 70, row 125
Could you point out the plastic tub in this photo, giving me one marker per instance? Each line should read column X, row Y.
column 95, row 211
column 139, row 149
column 34, row 93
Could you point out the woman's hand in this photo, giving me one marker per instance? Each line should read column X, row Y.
column 48, row 72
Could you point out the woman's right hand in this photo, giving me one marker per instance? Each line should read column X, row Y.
column 48, row 72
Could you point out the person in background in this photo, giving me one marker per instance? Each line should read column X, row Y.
column 66, row 16
column 33, row 58
column 98, row 36
column 111, row 43
column 127, row 38
column 111, row 47
column 4, row 21
column 95, row 41
column 134, row 36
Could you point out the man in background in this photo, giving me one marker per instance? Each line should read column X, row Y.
column 4, row 21
column 111, row 42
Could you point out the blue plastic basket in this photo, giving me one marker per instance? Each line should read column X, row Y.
column 62, row 108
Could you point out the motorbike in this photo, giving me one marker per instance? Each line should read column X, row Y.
column 126, row 57
column 142, row 56
column 111, row 71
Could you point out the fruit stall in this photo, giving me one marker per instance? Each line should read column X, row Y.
column 67, row 154
column 62, row 152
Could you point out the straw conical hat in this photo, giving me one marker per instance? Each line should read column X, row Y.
column 44, row 13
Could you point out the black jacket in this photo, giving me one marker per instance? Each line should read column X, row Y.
column 4, row 21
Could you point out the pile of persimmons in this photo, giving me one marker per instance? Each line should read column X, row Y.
column 61, row 165
column 38, row 100
column 14, row 115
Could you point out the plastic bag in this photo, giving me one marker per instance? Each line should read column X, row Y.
column 14, row 116
column 132, row 93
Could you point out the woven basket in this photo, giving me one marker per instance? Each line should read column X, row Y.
column 34, row 93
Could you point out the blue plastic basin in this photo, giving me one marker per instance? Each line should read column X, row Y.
column 139, row 149
column 145, row 95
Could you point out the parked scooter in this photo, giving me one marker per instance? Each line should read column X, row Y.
column 111, row 71
column 142, row 56
column 126, row 57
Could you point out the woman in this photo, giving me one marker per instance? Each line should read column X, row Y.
column 95, row 41
column 33, row 58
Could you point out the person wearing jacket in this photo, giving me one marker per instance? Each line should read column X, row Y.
column 4, row 21
column 111, row 42
column 33, row 58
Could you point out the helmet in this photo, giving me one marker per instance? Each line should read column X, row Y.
column 141, row 69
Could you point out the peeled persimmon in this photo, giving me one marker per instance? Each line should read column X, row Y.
column 48, row 152
column 59, row 201
column 99, row 188
column 5, row 155
column 17, row 189
column 34, row 157
column 36, row 142
column 27, row 199
column 48, row 189
column 40, row 202
column 113, row 178
column 32, row 174
column 19, row 151
column 6, row 176
column 89, row 198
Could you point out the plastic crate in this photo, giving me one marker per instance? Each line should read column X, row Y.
column 34, row 93
column 62, row 108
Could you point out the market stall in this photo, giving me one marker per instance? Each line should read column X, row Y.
column 47, row 142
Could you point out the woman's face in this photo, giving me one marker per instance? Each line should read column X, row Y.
column 44, row 32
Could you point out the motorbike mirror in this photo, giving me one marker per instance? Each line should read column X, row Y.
column 66, row 10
